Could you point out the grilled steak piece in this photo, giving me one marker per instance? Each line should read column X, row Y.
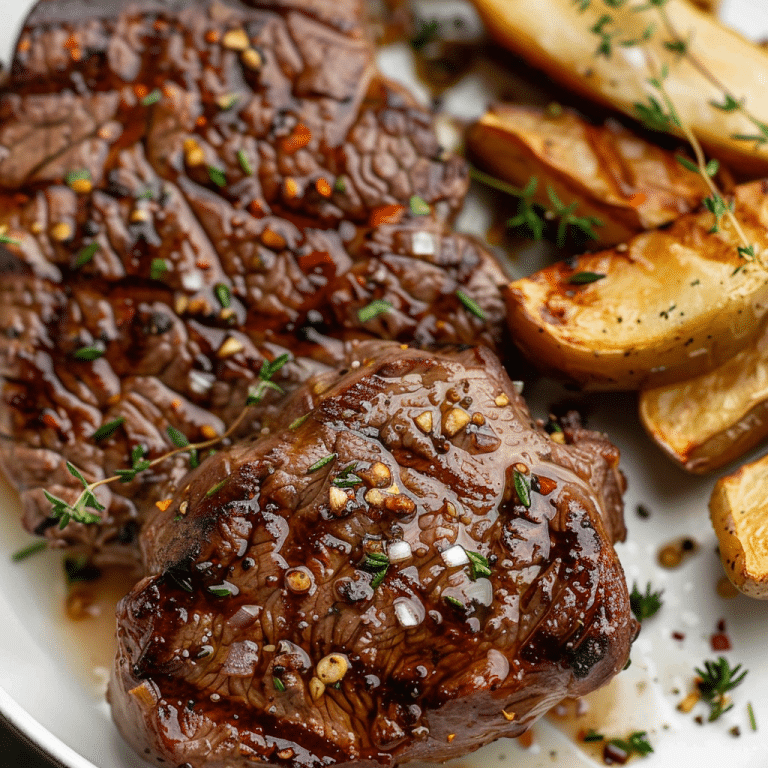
column 409, row 572
column 190, row 188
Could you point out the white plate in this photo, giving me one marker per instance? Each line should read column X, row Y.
column 50, row 691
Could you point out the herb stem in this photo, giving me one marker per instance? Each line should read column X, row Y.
column 701, row 160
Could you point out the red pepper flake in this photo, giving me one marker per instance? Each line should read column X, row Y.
column 24, row 45
column 637, row 199
column 212, row 36
column 255, row 208
column 721, row 625
column 314, row 260
column 387, row 214
column 291, row 187
column 299, row 138
column 71, row 42
column 201, row 121
column 76, row 54
column 202, row 264
column 678, row 636
column 721, row 642
column 50, row 421
column 546, row 485
column 163, row 504
column 140, row 90
column 323, row 187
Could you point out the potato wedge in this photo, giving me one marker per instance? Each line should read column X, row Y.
column 705, row 422
column 738, row 508
column 612, row 174
column 555, row 36
column 670, row 304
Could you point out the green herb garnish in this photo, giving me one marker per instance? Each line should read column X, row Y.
column 478, row 566
column 81, row 174
column 296, row 423
column 419, row 206
column 347, row 477
column 152, row 98
column 584, row 278
column 245, row 165
column 221, row 590
column 29, row 550
column 751, row 713
column 470, row 304
column 109, row 429
column 216, row 488
column 138, row 464
column 157, row 268
column 523, row 488
column 321, row 463
column 374, row 309
column 278, row 683
column 178, row 438
column 645, row 605
column 217, row 176
column 456, row 603
column 716, row 680
column 378, row 564
column 223, row 294
column 86, row 254
column 88, row 354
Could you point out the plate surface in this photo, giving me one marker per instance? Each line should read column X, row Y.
column 52, row 670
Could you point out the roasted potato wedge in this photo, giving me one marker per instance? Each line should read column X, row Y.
column 705, row 422
column 612, row 174
column 738, row 508
column 671, row 304
column 555, row 36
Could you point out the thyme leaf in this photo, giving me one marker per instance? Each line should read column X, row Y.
column 716, row 680
column 645, row 605
column 374, row 309
column 321, row 463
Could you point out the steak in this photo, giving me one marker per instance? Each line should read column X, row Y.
column 407, row 568
column 190, row 189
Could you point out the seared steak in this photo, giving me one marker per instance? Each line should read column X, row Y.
column 189, row 188
column 409, row 572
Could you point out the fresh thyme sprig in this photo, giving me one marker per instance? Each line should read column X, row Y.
column 715, row 681
column 658, row 112
column 645, row 605
column 529, row 213
column 80, row 510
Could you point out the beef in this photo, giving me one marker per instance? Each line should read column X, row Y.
column 187, row 190
column 406, row 569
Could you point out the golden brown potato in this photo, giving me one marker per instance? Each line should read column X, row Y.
column 670, row 305
column 739, row 512
column 705, row 422
column 555, row 36
column 612, row 174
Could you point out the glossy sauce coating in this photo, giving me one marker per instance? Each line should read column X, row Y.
column 509, row 600
column 188, row 190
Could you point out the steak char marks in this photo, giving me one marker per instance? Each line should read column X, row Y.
column 375, row 584
column 189, row 189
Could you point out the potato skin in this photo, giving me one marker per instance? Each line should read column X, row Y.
column 707, row 421
column 671, row 304
column 611, row 173
column 553, row 35
column 738, row 509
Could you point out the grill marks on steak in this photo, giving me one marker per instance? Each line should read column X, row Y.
column 320, row 158
column 217, row 649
